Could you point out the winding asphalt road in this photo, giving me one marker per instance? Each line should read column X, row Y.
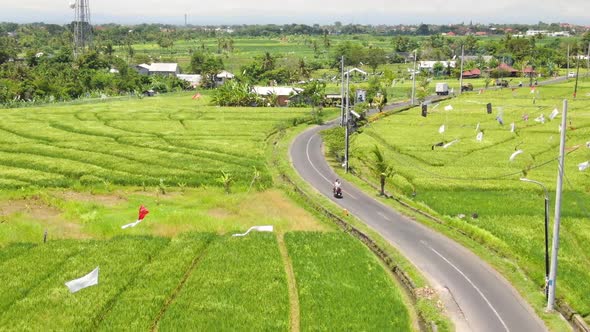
column 476, row 297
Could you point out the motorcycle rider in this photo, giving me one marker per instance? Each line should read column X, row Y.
column 337, row 186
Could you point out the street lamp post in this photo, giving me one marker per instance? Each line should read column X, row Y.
column 546, row 230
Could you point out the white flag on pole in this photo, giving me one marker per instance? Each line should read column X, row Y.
column 256, row 228
column 512, row 127
column 513, row 156
column 584, row 166
column 450, row 143
column 449, row 108
column 88, row 280
column 441, row 129
column 554, row 114
column 479, row 136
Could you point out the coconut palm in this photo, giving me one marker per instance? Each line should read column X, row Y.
column 379, row 167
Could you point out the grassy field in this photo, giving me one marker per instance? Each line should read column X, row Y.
column 475, row 186
column 197, row 281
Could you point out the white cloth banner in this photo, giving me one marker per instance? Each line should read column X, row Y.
column 540, row 118
column 584, row 166
column 450, row 143
column 256, row 228
column 441, row 129
column 479, row 136
column 512, row 127
column 88, row 280
column 133, row 224
column 448, row 108
column 554, row 114
column 513, row 156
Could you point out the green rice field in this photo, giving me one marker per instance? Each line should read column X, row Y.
column 476, row 187
column 197, row 281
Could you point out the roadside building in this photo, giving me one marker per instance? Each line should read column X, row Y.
column 223, row 77
column 194, row 80
column 164, row 69
column 283, row 94
column 473, row 73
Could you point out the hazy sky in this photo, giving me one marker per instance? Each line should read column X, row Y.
column 303, row 11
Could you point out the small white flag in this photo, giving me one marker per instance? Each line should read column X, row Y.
column 513, row 156
column 479, row 136
column 554, row 114
column 441, row 129
column 448, row 108
column 584, row 166
column 133, row 224
column 256, row 228
column 540, row 118
column 450, row 143
column 477, row 127
column 88, row 280
column 512, row 127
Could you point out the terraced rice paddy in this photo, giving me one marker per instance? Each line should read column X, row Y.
column 139, row 142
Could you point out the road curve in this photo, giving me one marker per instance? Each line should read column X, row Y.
column 476, row 297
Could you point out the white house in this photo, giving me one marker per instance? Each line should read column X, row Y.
column 194, row 80
column 429, row 65
column 223, row 77
column 165, row 69
column 283, row 93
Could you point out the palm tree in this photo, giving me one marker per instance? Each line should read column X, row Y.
column 380, row 168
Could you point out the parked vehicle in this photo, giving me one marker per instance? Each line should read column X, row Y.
column 442, row 89
column 467, row 87
column 571, row 74
column 502, row 83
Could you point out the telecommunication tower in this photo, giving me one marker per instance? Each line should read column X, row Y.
column 82, row 26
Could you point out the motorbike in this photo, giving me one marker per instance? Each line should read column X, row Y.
column 337, row 192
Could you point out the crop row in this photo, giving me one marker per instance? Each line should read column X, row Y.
column 198, row 282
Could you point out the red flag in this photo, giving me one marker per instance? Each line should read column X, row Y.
column 142, row 212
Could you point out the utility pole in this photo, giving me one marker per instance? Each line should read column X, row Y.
column 577, row 76
column 342, row 92
column 461, row 78
column 557, row 219
column 414, row 79
column 568, row 62
column 346, row 117
column 546, row 231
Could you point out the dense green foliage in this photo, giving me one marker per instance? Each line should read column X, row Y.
column 319, row 269
column 36, row 62
column 477, row 188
